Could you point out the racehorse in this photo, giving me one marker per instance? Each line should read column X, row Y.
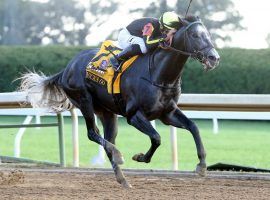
column 150, row 89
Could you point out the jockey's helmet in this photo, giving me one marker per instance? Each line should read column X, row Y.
column 169, row 20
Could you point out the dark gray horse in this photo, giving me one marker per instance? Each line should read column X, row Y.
column 150, row 89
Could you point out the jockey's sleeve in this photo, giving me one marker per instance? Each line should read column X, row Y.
column 150, row 41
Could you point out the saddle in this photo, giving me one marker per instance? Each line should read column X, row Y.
column 100, row 69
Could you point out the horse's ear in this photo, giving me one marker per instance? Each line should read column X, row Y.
column 198, row 18
column 183, row 22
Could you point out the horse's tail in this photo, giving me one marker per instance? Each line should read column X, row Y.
column 44, row 92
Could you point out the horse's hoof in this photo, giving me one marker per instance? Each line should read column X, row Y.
column 138, row 157
column 201, row 170
column 118, row 158
column 126, row 185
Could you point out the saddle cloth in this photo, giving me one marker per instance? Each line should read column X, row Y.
column 100, row 70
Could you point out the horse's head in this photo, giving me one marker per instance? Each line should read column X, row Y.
column 194, row 39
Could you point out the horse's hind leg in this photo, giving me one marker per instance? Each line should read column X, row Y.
column 178, row 119
column 87, row 110
column 109, row 122
column 142, row 124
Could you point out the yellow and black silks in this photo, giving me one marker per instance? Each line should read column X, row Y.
column 101, row 71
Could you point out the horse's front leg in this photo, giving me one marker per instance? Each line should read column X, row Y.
column 178, row 119
column 139, row 121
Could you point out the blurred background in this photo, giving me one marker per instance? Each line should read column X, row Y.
column 45, row 34
column 232, row 23
column 50, row 32
column 88, row 22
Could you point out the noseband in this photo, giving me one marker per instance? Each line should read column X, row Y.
column 197, row 54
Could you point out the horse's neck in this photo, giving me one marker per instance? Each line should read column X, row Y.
column 167, row 67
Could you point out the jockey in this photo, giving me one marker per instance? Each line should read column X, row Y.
column 145, row 34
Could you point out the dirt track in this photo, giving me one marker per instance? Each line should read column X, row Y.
column 96, row 184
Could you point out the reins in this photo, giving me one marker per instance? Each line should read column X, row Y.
column 199, row 55
column 170, row 48
column 183, row 31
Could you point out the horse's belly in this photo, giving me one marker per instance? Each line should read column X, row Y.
column 103, row 100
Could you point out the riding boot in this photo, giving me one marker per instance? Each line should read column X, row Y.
column 128, row 52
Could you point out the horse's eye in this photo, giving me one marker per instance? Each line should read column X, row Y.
column 195, row 35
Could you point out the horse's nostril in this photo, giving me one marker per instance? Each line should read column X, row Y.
column 213, row 58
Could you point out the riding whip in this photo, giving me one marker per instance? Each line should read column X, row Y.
column 188, row 8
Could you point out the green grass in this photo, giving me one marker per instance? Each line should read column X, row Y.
column 238, row 142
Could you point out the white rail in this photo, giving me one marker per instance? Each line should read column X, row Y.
column 194, row 102
column 225, row 102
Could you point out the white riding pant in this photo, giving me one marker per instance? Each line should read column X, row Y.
column 125, row 39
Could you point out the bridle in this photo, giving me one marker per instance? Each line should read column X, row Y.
column 196, row 54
